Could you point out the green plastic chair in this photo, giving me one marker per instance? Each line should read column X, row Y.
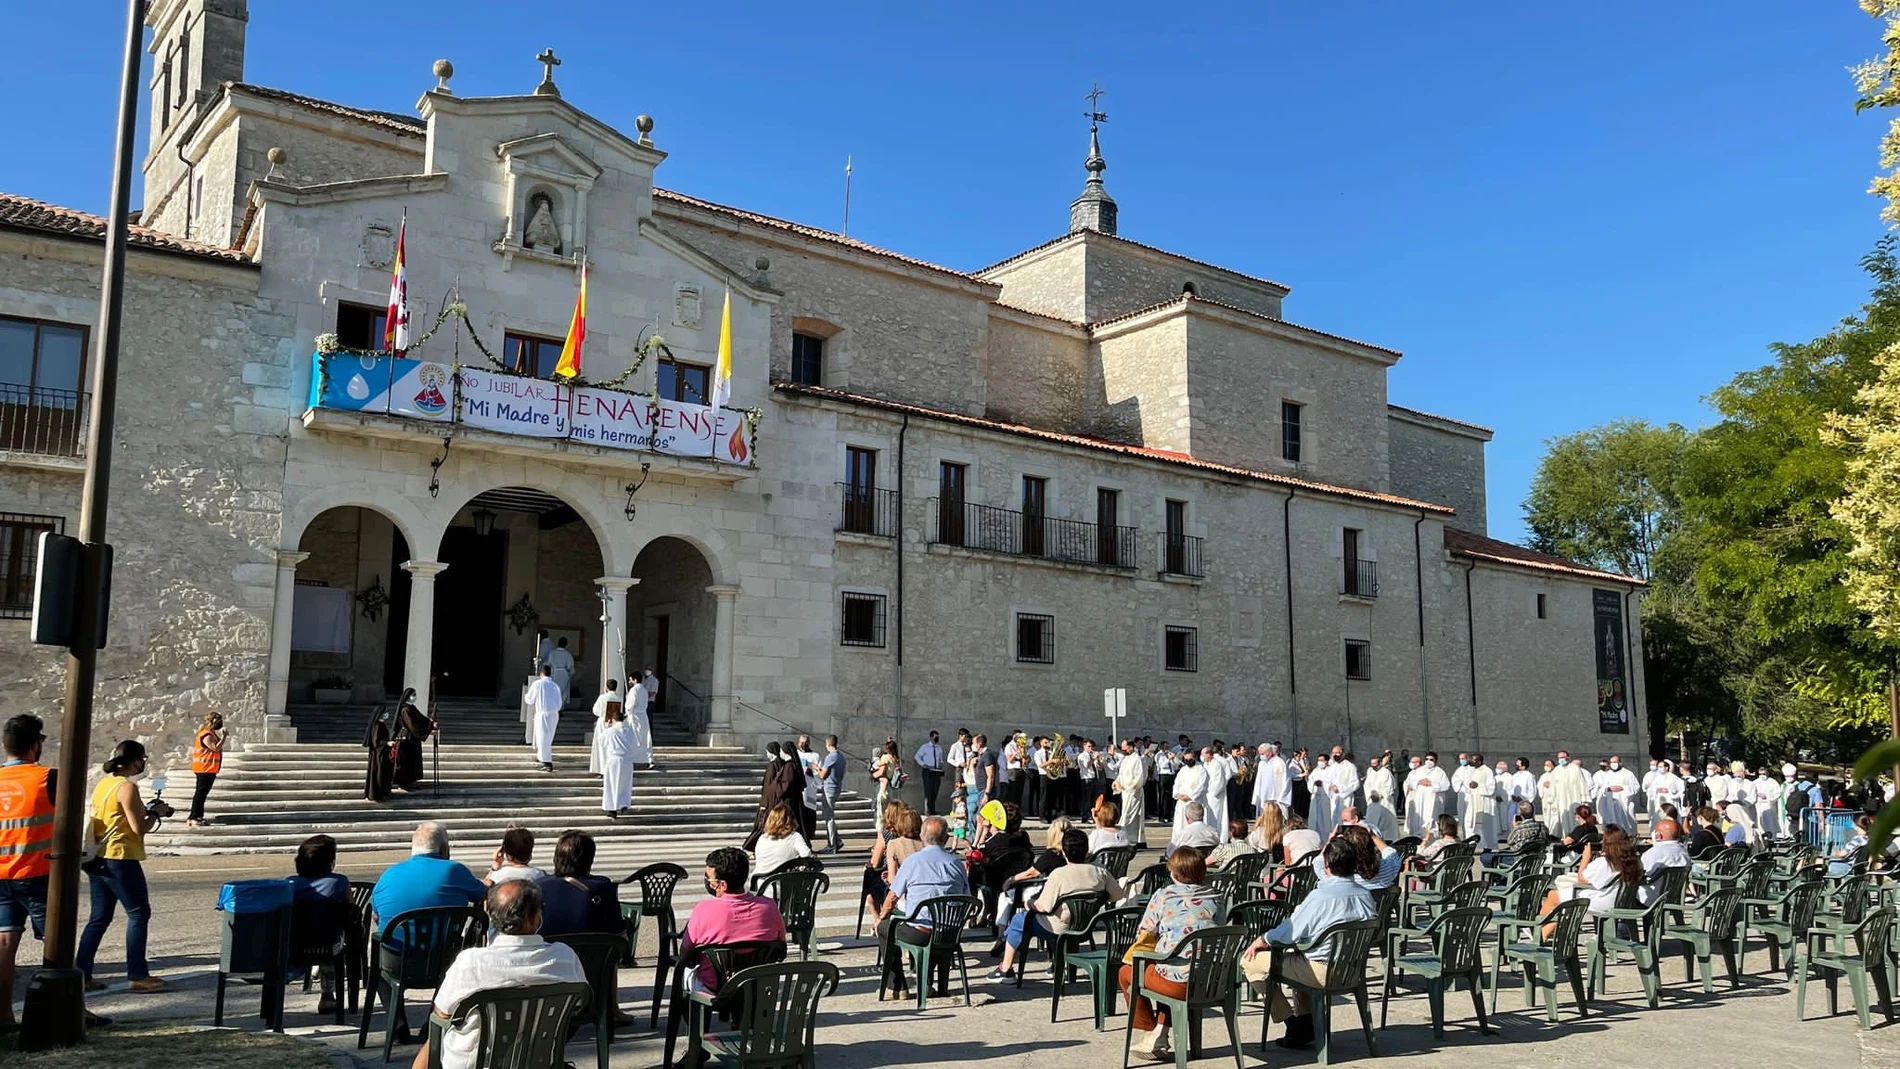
column 1542, row 956
column 1249, row 870
column 1784, row 920
column 1703, row 927
column 1352, row 943
column 797, row 894
column 414, row 951
column 948, row 915
column 1154, row 878
column 693, row 1004
column 1229, row 886
column 774, row 1016
column 1259, row 916
column 1507, row 864
column 1109, row 936
column 1427, row 887
column 1115, row 859
column 657, row 882
column 1467, row 895
column 1457, row 938
column 1079, row 910
column 1644, row 946
column 1212, row 958
column 1294, row 883
column 601, row 954
column 1852, row 896
column 521, row 1027
column 1721, row 868
column 1856, row 953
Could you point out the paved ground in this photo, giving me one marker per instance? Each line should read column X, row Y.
column 1011, row 1028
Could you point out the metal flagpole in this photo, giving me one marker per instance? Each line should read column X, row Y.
column 55, row 1009
column 846, row 230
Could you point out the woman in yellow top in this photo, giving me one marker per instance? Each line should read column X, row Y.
column 120, row 822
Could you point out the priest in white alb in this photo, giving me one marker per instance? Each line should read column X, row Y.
column 1425, row 796
column 637, row 702
column 562, row 662
column 545, row 696
column 1319, row 805
column 1477, row 789
column 1380, row 790
column 1616, row 791
column 1214, row 801
column 1523, row 788
column 1270, row 782
column 1665, row 788
column 1768, row 816
column 609, row 696
column 1502, row 811
column 1131, row 780
column 615, row 733
column 1190, row 788
column 1571, row 789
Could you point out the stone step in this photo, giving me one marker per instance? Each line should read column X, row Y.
column 284, row 837
column 308, row 749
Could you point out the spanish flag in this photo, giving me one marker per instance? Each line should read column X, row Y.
column 396, row 321
column 569, row 366
column 722, row 374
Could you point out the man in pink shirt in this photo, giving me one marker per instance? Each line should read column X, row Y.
column 731, row 915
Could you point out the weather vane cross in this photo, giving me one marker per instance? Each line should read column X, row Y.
column 1095, row 114
column 548, row 61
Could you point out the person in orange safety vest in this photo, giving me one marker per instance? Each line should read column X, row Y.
column 207, row 759
column 26, row 846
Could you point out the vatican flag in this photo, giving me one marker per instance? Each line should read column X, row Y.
column 722, row 375
column 569, row 365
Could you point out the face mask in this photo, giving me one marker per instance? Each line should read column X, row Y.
column 1616, row 764
column 711, row 891
column 1415, row 766
column 1431, row 764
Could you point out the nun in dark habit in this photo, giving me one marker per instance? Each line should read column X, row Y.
column 784, row 782
column 382, row 762
column 412, row 727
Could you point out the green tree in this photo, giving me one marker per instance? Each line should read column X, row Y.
column 1606, row 496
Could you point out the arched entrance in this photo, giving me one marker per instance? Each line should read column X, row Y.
column 517, row 560
column 348, row 607
column 671, row 623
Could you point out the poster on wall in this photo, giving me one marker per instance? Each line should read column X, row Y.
column 1613, row 707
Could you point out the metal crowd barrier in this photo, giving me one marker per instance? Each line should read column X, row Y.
column 1829, row 829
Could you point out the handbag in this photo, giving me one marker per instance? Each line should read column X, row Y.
column 1143, row 941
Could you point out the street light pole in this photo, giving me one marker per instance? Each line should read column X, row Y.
column 55, row 1001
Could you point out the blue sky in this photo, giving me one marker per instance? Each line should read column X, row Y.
column 1562, row 214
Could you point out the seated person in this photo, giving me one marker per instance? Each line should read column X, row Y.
column 1232, row 848
column 512, row 857
column 1843, row 861
column 1107, row 832
column 1706, row 837
column 1177, row 911
column 1387, row 862
column 1038, row 918
column 1046, row 861
column 516, row 956
column 1528, row 834
column 1337, row 898
column 929, row 873
column 731, row 915
column 1299, row 842
column 426, row 880
column 573, row 899
column 1666, row 852
column 1195, row 833
column 781, row 841
column 317, row 879
column 1586, row 834
column 902, row 824
column 1443, row 833
column 1603, row 877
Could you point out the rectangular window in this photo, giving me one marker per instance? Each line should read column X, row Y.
column 1035, row 638
column 1181, row 647
column 808, row 359
column 860, row 490
column 526, row 354
column 686, row 383
column 360, row 326
column 1108, row 507
column 1290, row 412
column 1353, row 581
column 19, row 552
column 44, row 360
column 1035, row 505
column 1540, row 606
column 1358, row 659
column 1174, row 538
column 950, row 485
column 863, row 620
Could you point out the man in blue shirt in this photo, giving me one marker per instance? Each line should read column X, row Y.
column 1338, row 898
column 426, row 880
column 831, row 781
column 929, row 873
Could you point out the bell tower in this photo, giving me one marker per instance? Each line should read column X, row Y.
column 196, row 46
column 1094, row 209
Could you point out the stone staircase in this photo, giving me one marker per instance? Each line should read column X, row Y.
column 271, row 796
column 478, row 722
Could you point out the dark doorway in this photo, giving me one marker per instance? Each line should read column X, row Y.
column 396, row 646
column 469, row 600
column 662, row 635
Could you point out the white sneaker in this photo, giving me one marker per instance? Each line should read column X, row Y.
column 1144, row 1042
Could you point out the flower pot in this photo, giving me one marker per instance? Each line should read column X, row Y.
column 332, row 695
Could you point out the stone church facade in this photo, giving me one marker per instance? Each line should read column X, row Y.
column 966, row 498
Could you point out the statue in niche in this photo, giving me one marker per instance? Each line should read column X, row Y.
column 541, row 233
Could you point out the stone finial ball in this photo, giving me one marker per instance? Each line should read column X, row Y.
column 444, row 69
column 276, row 155
column 643, row 123
column 762, row 263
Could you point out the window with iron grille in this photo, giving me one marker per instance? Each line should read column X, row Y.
column 1358, row 659
column 1181, row 647
column 1290, row 413
column 808, row 359
column 863, row 620
column 1035, row 638
column 19, row 557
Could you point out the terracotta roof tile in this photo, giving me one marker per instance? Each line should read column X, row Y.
column 407, row 124
column 1478, row 547
column 806, row 231
column 21, row 213
column 1105, row 445
column 1032, row 250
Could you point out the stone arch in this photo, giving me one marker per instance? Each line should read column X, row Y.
column 686, row 526
column 392, row 506
column 587, row 495
column 672, row 625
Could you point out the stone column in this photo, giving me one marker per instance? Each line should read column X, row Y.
column 277, row 692
column 719, row 717
column 613, row 629
column 420, row 648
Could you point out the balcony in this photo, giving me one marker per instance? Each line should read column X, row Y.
column 40, row 422
column 866, row 510
column 1361, row 579
column 1181, row 555
column 995, row 530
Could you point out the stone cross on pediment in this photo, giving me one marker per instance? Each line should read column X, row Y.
column 548, row 61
